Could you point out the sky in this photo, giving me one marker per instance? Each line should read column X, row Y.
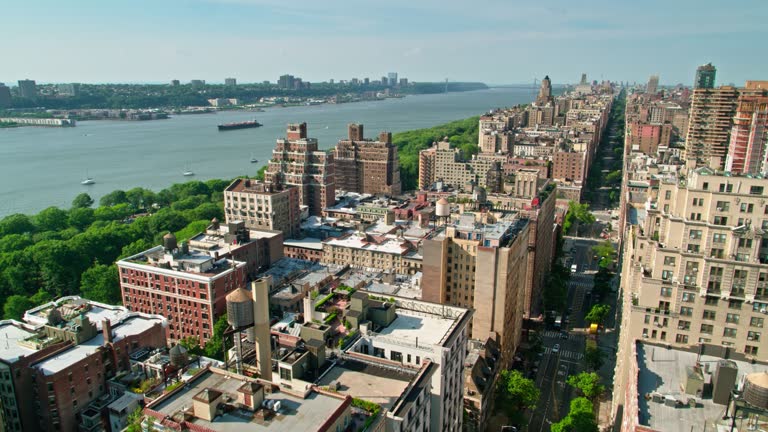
column 493, row 41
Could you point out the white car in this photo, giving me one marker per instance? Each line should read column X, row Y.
column 556, row 349
column 574, row 268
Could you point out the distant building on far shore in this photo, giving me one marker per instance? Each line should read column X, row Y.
column 175, row 83
column 230, row 82
column 5, row 96
column 27, row 89
column 196, row 84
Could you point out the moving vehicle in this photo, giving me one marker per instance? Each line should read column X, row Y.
column 556, row 349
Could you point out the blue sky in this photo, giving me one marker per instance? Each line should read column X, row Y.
column 495, row 41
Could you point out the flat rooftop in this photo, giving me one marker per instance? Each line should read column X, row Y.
column 424, row 328
column 663, row 371
column 295, row 414
column 364, row 381
column 354, row 241
column 11, row 332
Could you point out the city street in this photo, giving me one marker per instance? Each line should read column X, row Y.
column 555, row 367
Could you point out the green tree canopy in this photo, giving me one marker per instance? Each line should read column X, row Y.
column 82, row 201
column 113, row 198
column 16, row 224
column 101, row 283
column 51, row 219
column 593, row 357
column 580, row 418
column 598, row 313
column 588, row 383
column 80, row 217
column 516, row 391
column 15, row 307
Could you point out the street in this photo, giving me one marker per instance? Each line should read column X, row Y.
column 556, row 367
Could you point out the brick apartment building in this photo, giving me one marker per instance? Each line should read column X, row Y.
column 56, row 364
column 296, row 161
column 187, row 287
column 367, row 166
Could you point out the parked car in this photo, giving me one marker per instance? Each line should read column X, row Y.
column 556, row 349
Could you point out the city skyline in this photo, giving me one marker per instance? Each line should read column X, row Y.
column 257, row 40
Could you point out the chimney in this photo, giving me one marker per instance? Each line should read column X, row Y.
column 260, row 290
column 308, row 308
column 106, row 330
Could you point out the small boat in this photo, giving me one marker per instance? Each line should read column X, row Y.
column 88, row 180
column 188, row 171
column 253, row 159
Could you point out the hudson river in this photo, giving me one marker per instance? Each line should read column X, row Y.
column 41, row 167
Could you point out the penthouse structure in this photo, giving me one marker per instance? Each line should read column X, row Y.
column 367, row 251
column 697, row 269
column 443, row 163
column 55, row 365
column 263, row 206
column 367, row 166
column 256, row 248
column 221, row 401
column 296, row 161
column 407, row 335
column 748, row 148
column 483, row 267
column 187, row 287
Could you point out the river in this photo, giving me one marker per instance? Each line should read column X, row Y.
column 41, row 167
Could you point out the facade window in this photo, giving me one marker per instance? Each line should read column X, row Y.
column 669, row 260
column 716, row 253
column 686, row 311
column 721, row 220
column 746, row 208
column 756, row 322
column 666, row 274
column 666, row 291
column 718, row 238
column 668, row 195
column 681, row 339
column 732, row 318
column 723, row 206
column 695, row 235
column 689, row 297
column 684, row 325
column 708, row 314
column 724, row 187
column 729, row 332
column 753, row 336
column 707, row 328
column 755, row 190
column 750, row 350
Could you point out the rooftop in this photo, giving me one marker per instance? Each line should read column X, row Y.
column 364, row 381
column 663, row 371
column 417, row 328
column 357, row 241
column 11, row 332
column 296, row 414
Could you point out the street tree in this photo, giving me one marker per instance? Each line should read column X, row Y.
column 593, row 357
column 516, row 391
column 587, row 383
column 580, row 418
column 598, row 313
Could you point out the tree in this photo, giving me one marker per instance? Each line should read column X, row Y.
column 516, row 391
column 593, row 357
column 588, row 383
column 192, row 344
column 15, row 307
column 604, row 250
column 16, row 224
column 580, row 418
column 82, row 201
column 51, row 219
column 213, row 348
column 260, row 173
column 113, row 198
column 101, row 283
column 80, row 217
column 597, row 314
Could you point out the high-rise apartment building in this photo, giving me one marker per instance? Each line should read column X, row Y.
column 545, row 91
column 187, row 287
column 263, row 206
column 175, row 83
column 392, row 78
column 367, row 166
column 481, row 267
column 748, row 148
column 230, row 82
column 5, row 96
column 296, row 161
column 69, row 89
column 27, row 89
column 705, row 77
column 697, row 269
column 197, row 84
column 709, row 125
column 653, row 85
